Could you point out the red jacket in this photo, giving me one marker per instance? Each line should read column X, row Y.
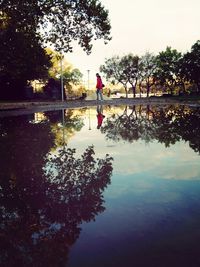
column 100, row 118
column 99, row 83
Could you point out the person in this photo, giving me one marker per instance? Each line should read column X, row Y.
column 100, row 116
column 99, row 87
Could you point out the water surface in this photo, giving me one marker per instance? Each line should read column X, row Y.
column 126, row 193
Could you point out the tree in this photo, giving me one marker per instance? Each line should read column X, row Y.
column 166, row 125
column 64, row 125
column 190, row 68
column 71, row 76
column 59, row 22
column 148, row 67
column 111, row 69
column 27, row 26
column 114, row 71
column 122, row 127
column 22, row 59
column 182, row 73
column 167, row 67
column 130, row 65
column 45, row 196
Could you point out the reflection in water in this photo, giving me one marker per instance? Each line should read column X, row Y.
column 100, row 116
column 65, row 122
column 47, row 191
column 44, row 197
column 166, row 125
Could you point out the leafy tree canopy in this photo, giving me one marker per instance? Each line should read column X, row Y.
column 59, row 22
column 70, row 74
column 22, row 58
column 191, row 65
column 26, row 26
column 114, row 71
column 167, row 62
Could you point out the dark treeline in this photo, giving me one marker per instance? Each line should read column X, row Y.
column 170, row 71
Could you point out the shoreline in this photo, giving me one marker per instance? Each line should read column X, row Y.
column 27, row 107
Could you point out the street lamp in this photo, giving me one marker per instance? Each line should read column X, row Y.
column 88, row 79
column 88, row 92
column 61, row 76
column 63, row 125
column 89, row 121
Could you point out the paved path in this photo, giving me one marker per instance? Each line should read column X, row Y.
column 17, row 108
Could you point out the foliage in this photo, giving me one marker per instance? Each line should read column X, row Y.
column 71, row 76
column 130, row 66
column 190, row 67
column 64, row 125
column 166, row 125
column 147, row 70
column 27, row 26
column 22, row 59
column 167, row 67
column 44, row 196
column 60, row 22
column 113, row 70
column 130, row 69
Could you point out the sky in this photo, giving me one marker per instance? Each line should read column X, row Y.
column 140, row 26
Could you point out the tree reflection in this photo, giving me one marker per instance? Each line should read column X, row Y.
column 121, row 127
column 45, row 197
column 64, row 123
column 167, row 125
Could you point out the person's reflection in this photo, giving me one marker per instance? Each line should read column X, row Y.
column 100, row 116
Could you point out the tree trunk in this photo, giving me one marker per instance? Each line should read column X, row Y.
column 133, row 88
column 140, row 90
column 126, row 92
column 183, row 86
column 171, row 90
column 148, row 89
